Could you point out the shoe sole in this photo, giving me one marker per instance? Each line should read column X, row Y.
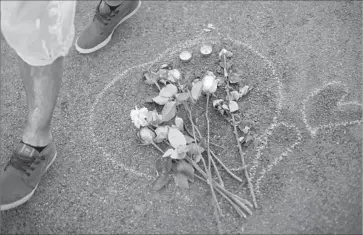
column 108, row 39
column 27, row 197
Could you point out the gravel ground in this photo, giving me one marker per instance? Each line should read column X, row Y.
column 311, row 55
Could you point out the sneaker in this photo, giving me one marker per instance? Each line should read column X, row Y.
column 99, row 32
column 22, row 174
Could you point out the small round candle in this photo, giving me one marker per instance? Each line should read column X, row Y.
column 206, row 50
column 185, row 56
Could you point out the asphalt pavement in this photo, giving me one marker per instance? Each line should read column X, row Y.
column 309, row 172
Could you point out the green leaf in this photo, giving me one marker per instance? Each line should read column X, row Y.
column 197, row 90
column 168, row 152
column 164, row 66
column 168, row 165
column 163, row 165
column 189, row 139
column 174, row 75
column 249, row 139
column 168, row 111
column 179, row 123
column 159, row 165
column 160, row 100
column 150, row 78
column 233, row 106
column 182, row 97
column 225, row 52
column 186, row 169
column 173, row 167
column 217, row 103
column 235, row 95
column 221, row 81
column 197, row 158
column 149, row 97
column 176, row 138
column 203, row 142
column 181, row 180
column 168, row 91
column 161, row 181
column 235, row 78
column 153, row 116
column 229, row 64
column 174, row 154
column 161, row 133
column 163, row 74
column 246, row 123
column 182, row 151
column 225, row 107
column 244, row 90
column 195, row 149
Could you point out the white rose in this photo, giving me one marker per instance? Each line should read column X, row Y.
column 209, row 84
column 138, row 117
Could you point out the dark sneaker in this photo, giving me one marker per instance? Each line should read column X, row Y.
column 99, row 32
column 22, row 174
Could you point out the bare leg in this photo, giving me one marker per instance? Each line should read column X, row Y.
column 114, row 2
column 42, row 84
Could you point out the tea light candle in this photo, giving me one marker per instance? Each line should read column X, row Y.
column 206, row 50
column 185, row 56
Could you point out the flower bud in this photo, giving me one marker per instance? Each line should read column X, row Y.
column 209, row 84
column 174, row 75
column 146, row 135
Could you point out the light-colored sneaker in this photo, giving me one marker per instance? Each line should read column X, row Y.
column 22, row 174
column 98, row 32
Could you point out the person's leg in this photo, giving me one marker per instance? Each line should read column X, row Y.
column 113, row 2
column 42, row 84
column 109, row 14
column 41, row 33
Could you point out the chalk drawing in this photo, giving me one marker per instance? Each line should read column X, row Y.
column 314, row 130
column 148, row 65
column 261, row 141
column 202, row 37
column 284, row 154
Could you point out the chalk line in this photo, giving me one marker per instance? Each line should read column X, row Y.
column 288, row 150
column 314, row 130
column 169, row 52
column 107, row 155
column 262, row 142
column 273, row 69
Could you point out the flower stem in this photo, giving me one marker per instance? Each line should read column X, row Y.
column 234, row 205
column 214, row 155
column 217, row 172
column 250, row 186
column 227, row 195
column 157, row 147
column 210, row 157
column 226, row 168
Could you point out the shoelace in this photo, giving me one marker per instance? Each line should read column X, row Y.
column 104, row 18
column 23, row 163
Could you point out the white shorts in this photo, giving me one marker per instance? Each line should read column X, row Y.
column 39, row 31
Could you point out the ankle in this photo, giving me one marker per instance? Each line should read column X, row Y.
column 37, row 139
column 113, row 3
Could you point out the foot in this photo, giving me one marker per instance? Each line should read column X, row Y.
column 22, row 174
column 99, row 32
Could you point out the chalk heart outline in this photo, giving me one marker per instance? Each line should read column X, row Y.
column 201, row 38
column 263, row 141
column 341, row 103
